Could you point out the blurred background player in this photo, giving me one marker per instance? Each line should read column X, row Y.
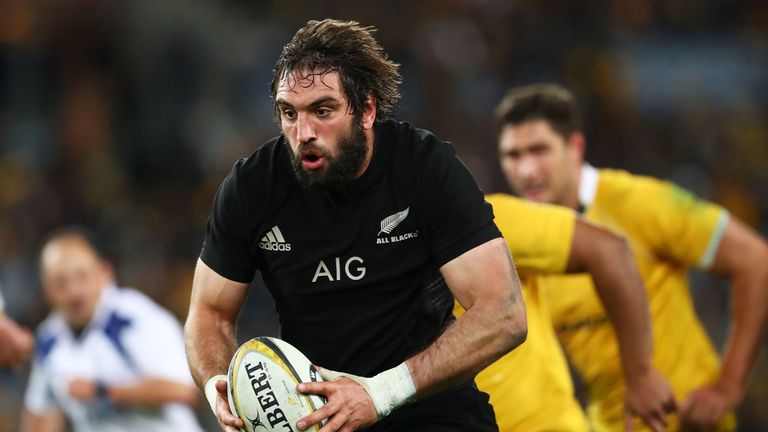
column 531, row 388
column 16, row 342
column 541, row 147
column 107, row 358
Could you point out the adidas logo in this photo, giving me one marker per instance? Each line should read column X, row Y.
column 274, row 241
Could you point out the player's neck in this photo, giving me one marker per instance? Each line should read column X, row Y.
column 571, row 198
column 369, row 153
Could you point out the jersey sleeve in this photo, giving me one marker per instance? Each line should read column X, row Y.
column 227, row 249
column 457, row 216
column 38, row 397
column 539, row 236
column 676, row 224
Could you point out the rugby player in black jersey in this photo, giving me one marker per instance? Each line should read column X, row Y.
column 364, row 230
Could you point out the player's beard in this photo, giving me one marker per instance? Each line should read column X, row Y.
column 340, row 170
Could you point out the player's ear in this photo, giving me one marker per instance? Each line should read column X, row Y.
column 369, row 112
column 578, row 144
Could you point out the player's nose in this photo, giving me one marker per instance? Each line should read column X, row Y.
column 305, row 130
column 528, row 169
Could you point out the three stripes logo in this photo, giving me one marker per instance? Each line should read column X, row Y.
column 274, row 241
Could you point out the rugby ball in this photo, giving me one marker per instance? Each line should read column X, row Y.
column 262, row 378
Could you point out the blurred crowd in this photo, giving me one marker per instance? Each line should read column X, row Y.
column 124, row 116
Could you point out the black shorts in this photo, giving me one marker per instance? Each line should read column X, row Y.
column 463, row 409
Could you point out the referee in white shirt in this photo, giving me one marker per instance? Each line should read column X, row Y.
column 108, row 358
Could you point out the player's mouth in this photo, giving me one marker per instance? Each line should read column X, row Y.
column 312, row 159
column 535, row 193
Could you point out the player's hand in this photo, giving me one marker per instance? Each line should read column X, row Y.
column 348, row 406
column 705, row 406
column 17, row 343
column 219, row 401
column 83, row 390
column 650, row 397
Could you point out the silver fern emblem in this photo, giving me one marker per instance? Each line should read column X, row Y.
column 391, row 222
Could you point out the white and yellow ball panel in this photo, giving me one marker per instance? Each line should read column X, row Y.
column 262, row 379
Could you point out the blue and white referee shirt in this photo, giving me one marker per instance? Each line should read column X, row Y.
column 129, row 338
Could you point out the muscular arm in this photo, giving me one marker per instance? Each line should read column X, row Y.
column 608, row 259
column 485, row 282
column 742, row 256
column 50, row 422
column 610, row 262
column 209, row 332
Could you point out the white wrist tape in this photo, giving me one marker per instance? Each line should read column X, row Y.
column 388, row 390
column 210, row 391
column 2, row 302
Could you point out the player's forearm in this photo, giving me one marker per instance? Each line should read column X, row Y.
column 16, row 343
column 749, row 309
column 483, row 334
column 210, row 343
column 621, row 290
column 152, row 393
column 31, row 422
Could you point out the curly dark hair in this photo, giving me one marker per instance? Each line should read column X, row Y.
column 550, row 102
column 346, row 47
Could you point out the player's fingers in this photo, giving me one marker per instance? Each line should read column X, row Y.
column 713, row 414
column 230, row 420
column 697, row 413
column 225, row 416
column 318, row 388
column 629, row 423
column 222, row 407
column 656, row 424
column 329, row 375
column 336, row 422
column 326, row 411
column 670, row 405
column 221, row 387
column 655, row 419
column 684, row 410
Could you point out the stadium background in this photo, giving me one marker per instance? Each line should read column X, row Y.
column 125, row 116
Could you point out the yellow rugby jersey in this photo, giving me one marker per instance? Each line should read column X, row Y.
column 531, row 388
column 669, row 231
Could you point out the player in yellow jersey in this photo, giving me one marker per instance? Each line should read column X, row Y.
column 531, row 388
column 541, row 149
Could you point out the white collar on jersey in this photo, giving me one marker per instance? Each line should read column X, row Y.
column 103, row 307
column 588, row 184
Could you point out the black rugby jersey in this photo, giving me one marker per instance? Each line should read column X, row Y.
column 354, row 274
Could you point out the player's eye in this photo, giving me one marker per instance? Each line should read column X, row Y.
column 323, row 112
column 514, row 155
column 289, row 114
column 538, row 150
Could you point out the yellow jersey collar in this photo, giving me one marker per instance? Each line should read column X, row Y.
column 588, row 185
